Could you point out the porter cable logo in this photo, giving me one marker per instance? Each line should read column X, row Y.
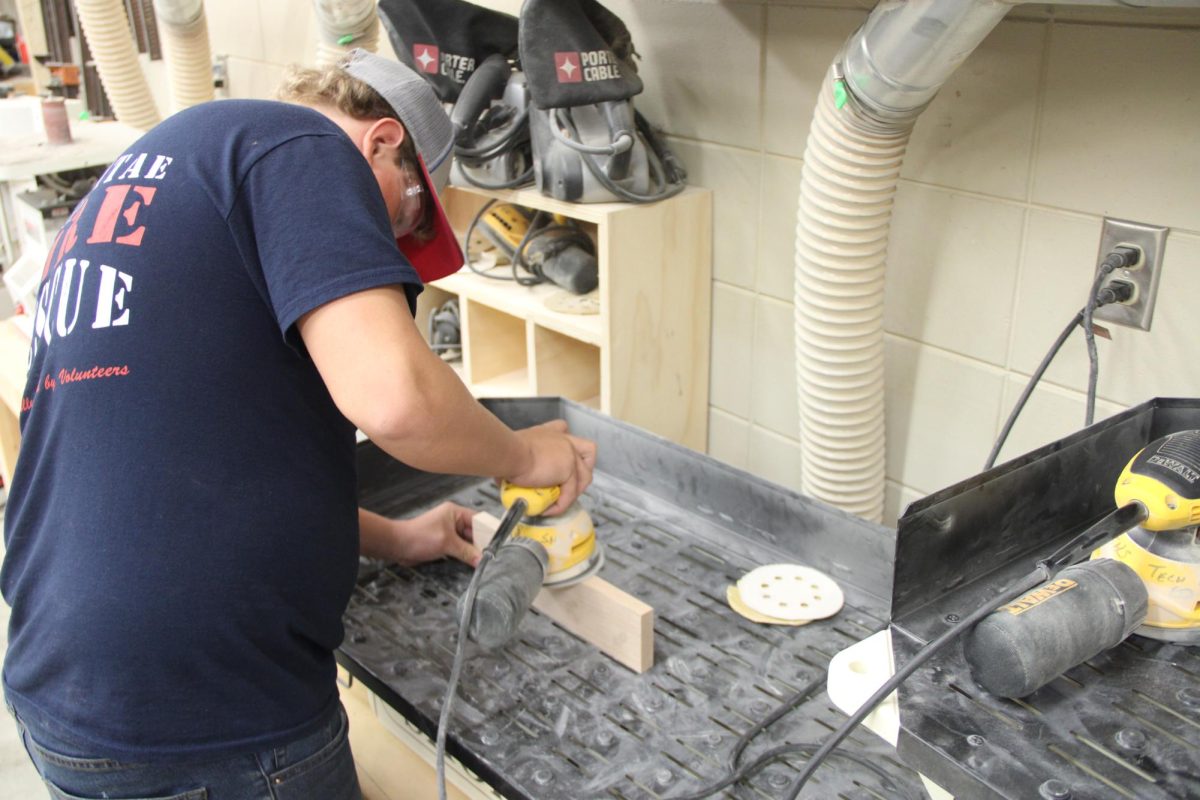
column 1039, row 596
column 430, row 59
column 588, row 65
column 426, row 56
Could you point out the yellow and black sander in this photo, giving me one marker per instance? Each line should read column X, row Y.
column 532, row 551
column 1146, row 580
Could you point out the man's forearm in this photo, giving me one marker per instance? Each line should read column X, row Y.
column 376, row 536
column 449, row 431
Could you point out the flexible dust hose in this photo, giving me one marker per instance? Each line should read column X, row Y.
column 846, row 191
column 111, row 43
column 184, row 29
column 886, row 74
column 345, row 25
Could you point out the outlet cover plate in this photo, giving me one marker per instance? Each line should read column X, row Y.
column 1152, row 239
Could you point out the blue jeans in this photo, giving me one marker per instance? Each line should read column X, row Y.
column 318, row 766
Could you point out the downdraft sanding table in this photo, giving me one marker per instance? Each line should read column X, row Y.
column 549, row 716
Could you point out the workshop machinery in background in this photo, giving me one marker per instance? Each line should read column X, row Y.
column 546, row 98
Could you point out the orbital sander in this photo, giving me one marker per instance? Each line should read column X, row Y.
column 531, row 551
column 1143, row 578
column 1164, row 550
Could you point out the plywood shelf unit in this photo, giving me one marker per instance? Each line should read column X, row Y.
column 644, row 358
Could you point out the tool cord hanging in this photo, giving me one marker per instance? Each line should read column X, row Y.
column 571, row 236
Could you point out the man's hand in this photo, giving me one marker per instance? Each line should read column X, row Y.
column 443, row 531
column 556, row 458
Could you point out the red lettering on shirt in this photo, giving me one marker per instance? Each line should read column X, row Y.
column 104, row 229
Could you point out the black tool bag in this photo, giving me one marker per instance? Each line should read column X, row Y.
column 589, row 144
column 446, row 40
column 467, row 54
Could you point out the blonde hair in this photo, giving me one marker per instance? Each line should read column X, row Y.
column 334, row 87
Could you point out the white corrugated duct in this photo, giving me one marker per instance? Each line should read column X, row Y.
column 886, row 74
column 345, row 25
column 184, row 30
column 111, row 42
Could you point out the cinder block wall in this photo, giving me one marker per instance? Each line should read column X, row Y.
column 1063, row 115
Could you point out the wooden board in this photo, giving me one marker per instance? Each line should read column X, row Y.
column 594, row 610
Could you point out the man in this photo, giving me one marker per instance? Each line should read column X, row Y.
column 216, row 319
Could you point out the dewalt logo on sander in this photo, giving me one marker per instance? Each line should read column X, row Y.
column 1039, row 596
column 586, row 66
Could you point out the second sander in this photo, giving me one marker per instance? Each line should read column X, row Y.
column 1144, row 578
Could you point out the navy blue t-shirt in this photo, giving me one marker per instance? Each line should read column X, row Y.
column 182, row 531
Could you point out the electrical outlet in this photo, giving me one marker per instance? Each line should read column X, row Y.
column 1138, row 311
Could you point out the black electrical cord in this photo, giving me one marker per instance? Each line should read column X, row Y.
column 1029, row 387
column 1102, row 295
column 514, row 140
column 1118, row 257
column 663, row 185
column 467, row 245
column 786, row 708
column 570, row 236
column 464, row 626
column 1074, row 550
column 781, row 753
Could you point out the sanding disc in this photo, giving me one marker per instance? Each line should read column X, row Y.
column 790, row 591
column 735, row 602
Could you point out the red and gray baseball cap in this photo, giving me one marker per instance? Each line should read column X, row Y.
column 415, row 103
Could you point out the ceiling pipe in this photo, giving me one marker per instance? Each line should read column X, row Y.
column 885, row 75
column 345, row 25
column 186, row 50
column 108, row 36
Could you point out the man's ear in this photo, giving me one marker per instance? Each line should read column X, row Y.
column 383, row 138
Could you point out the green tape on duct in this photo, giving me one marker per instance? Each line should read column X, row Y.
column 347, row 39
column 839, row 94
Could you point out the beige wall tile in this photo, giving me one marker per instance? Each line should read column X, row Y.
column 801, row 44
column 896, row 498
column 952, row 269
column 977, row 134
column 941, row 414
column 1120, row 129
column 773, row 396
column 775, row 458
column 777, row 227
column 700, row 66
column 234, row 29
column 728, row 438
column 734, row 177
column 1056, row 273
column 732, row 339
column 1052, row 413
column 289, row 32
column 253, row 79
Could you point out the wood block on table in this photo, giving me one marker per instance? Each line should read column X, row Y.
column 618, row 623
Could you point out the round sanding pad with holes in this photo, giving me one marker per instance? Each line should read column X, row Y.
column 790, row 592
column 735, row 602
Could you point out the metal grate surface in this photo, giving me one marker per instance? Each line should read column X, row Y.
column 550, row 716
column 1125, row 724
